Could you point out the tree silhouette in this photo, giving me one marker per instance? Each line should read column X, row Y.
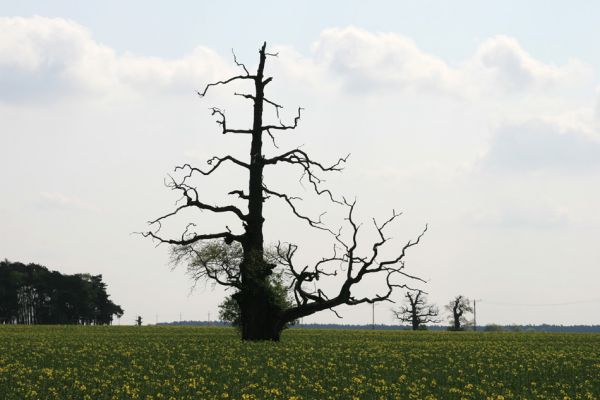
column 31, row 294
column 458, row 308
column 261, row 316
column 416, row 311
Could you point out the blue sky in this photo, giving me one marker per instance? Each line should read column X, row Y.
column 556, row 30
column 480, row 119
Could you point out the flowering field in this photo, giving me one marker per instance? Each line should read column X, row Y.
column 50, row 362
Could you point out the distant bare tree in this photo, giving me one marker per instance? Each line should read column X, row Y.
column 416, row 311
column 458, row 308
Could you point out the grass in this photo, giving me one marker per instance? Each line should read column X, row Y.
column 76, row 362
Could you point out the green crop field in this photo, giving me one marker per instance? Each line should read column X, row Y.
column 75, row 362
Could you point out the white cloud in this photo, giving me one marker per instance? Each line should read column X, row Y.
column 292, row 66
column 44, row 58
column 511, row 67
column 367, row 62
column 189, row 73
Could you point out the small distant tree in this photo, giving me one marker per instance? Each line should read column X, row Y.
column 457, row 309
column 229, row 311
column 416, row 311
column 138, row 320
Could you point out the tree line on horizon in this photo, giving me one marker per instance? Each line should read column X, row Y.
column 32, row 294
column 527, row 328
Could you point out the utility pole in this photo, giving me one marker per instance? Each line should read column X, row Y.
column 373, row 316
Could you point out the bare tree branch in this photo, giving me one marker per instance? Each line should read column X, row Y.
column 315, row 223
column 356, row 267
column 239, row 193
column 235, row 78
column 190, row 194
column 283, row 127
column 223, row 123
column 227, row 236
column 239, row 64
column 214, row 162
column 253, row 98
column 300, row 157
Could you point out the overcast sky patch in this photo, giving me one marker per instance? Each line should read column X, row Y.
column 60, row 201
column 538, row 145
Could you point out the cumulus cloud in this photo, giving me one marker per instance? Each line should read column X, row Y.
column 505, row 62
column 538, row 145
column 292, row 66
column 367, row 61
column 44, row 58
column 201, row 66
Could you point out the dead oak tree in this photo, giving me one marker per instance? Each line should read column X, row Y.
column 417, row 311
column 458, row 308
column 262, row 318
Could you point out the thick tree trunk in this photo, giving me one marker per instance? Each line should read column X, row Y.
column 414, row 312
column 457, row 321
column 415, row 324
column 260, row 315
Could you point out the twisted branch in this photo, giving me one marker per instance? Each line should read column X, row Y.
column 223, row 123
column 356, row 267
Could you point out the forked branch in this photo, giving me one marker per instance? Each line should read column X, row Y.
column 214, row 162
column 223, row 122
column 355, row 266
column 282, row 126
